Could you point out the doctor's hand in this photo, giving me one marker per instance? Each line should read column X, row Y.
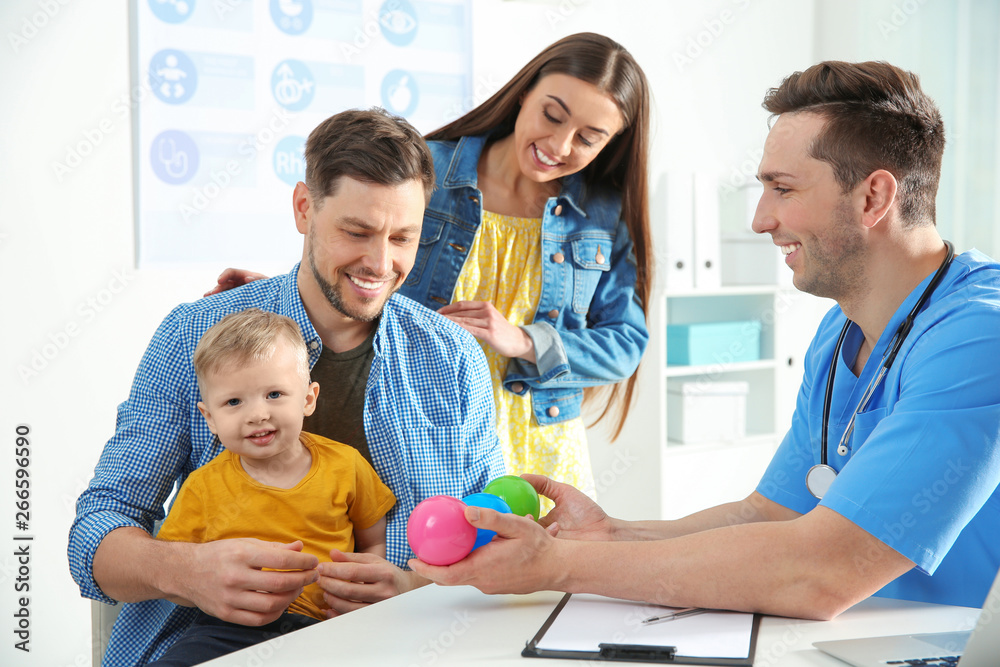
column 355, row 580
column 575, row 516
column 522, row 558
column 484, row 321
column 231, row 278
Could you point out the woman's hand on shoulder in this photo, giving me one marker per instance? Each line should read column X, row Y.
column 231, row 278
column 484, row 321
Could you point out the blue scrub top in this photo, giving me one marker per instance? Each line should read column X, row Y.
column 923, row 463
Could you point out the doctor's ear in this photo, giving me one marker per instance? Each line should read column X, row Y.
column 879, row 191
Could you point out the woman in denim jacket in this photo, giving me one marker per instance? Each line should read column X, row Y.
column 537, row 241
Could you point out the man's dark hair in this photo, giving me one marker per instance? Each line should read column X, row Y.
column 368, row 145
column 877, row 118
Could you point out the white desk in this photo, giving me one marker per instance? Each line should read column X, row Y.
column 437, row 626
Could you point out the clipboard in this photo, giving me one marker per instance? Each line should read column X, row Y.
column 594, row 627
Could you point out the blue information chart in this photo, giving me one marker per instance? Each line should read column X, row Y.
column 226, row 92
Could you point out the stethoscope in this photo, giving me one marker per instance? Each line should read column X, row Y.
column 821, row 476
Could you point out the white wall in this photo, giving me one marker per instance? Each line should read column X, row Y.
column 77, row 316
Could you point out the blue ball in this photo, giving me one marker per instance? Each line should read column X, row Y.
column 489, row 501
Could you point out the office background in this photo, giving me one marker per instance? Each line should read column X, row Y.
column 77, row 314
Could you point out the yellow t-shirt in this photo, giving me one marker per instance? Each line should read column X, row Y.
column 504, row 267
column 341, row 491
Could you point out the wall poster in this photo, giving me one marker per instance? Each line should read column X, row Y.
column 227, row 90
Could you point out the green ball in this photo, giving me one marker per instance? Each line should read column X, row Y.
column 519, row 495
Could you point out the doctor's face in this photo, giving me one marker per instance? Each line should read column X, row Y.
column 806, row 212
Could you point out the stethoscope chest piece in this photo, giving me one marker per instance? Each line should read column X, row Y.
column 819, row 478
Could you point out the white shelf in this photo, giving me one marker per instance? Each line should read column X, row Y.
column 730, row 290
column 749, row 441
column 713, row 369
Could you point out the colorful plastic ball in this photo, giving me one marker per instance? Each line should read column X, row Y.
column 519, row 495
column 489, row 501
column 438, row 532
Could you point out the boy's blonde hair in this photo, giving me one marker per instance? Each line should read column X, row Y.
column 248, row 336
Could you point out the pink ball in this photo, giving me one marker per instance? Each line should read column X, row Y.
column 438, row 532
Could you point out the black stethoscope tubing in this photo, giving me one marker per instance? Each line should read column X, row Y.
column 823, row 471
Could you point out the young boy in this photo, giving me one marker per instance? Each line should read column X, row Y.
column 273, row 482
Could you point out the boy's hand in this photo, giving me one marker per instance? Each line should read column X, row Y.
column 354, row 580
column 237, row 581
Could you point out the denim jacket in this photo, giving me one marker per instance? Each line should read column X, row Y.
column 589, row 328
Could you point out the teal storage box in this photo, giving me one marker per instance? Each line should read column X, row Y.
column 703, row 343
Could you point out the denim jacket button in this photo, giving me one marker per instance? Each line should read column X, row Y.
column 554, row 314
column 557, row 210
column 553, row 411
column 558, row 258
column 517, row 387
column 474, row 199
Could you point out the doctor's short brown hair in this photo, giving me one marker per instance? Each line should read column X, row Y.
column 877, row 118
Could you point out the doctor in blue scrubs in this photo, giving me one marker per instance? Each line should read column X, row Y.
column 887, row 482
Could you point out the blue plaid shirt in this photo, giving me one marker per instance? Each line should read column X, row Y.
column 428, row 416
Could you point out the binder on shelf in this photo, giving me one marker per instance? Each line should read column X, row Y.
column 707, row 233
column 587, row 627
column 675, row 197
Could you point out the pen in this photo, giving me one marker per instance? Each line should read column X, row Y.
column 694, row 611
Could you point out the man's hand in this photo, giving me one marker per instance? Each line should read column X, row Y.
column 231, row 278
column 355, row 580
column 233, row 579
column 484, row 321
column 518, row 560
column 575, row 516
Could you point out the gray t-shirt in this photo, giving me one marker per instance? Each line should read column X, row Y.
column 342, row 377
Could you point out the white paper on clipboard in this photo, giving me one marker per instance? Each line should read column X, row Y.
column 588, row 620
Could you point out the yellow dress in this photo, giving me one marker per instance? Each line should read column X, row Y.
column 504, row 267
